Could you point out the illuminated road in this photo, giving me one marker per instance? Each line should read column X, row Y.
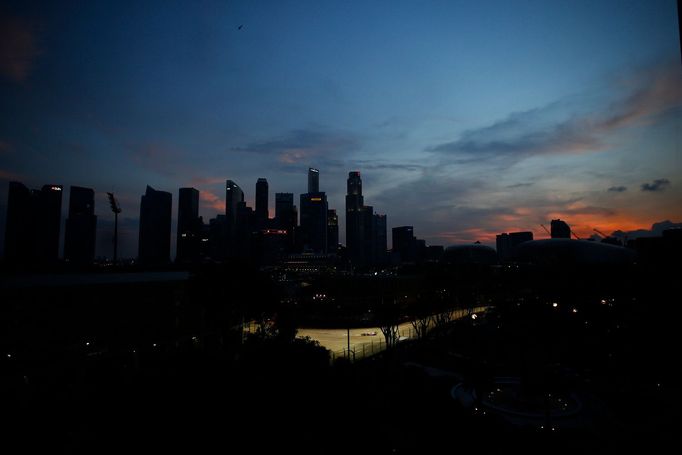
column 336, row 340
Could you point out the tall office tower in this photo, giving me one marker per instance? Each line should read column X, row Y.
column 404, row 243
column 155, row 227
column 560, row 230
column 19, row 226
column 368, row 234
column 380, row 238
column 314, row 222
column 313, row 226
column 507, row 243
column 217, row 239
column 295, row 232
column 81, row 226
column 332, row 231
column 262, row 203
column 33, row 224
column 355, row 218
column 313, row 180
column 420, row 250
column 286, row 217
column 48, row 222
column 233, row 196
column 245, row 227
column 517, row 238
column 284, row 211
column 190, row 226
column 503, row 247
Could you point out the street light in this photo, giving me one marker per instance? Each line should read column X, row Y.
column 116, row 208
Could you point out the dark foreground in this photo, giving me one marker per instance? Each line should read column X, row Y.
column 592, row 373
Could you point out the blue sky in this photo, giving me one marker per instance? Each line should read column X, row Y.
column 466, row 118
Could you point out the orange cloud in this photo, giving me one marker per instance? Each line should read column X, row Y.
column 470, row 235
column 660, row 89
column 211, row 200
column 207, row 180
column 293, row 156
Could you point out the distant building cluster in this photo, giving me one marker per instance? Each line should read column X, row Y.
column 508, row 243
column 298, row 240
column 243, row 234
column 365, row 230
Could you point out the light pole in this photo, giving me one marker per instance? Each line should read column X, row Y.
column 116, row 208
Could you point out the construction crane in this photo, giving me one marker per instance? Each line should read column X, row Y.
column 611, row 240
column 600, row 233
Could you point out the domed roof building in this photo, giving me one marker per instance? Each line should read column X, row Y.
column 561, row 252
column 475, row 254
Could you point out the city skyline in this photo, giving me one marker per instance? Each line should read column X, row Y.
column 464, row 124
column 236, row 208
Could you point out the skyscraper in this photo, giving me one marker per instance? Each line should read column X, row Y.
column 368, row 234
column 284, row 211
column 81, row 226
column 560, row 230
column 380, row 238
column 19, row 225
column 262, row 203
column 217, row 238
column 233, row 196
column 314, row 221
column 313, row 180
column 48, row 222
column 33, row 224
column 155, row 227
column 507, row 243
column 313, row 226
column 332, row 231
column 286, row 217
column 188, row 239
column 404, row 243
column 244, row 229
column 355, row 220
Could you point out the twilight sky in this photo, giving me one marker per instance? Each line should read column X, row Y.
column 466, row 118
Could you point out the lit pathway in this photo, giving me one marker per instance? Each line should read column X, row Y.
column 336, row 340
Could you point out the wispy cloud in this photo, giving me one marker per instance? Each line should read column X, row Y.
column 18, row 48
column 617, row 189
column 559, row 128
column 385, row 165
column 305, row 145
column 520, row 136
column 520, row 185
column 656, row 186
